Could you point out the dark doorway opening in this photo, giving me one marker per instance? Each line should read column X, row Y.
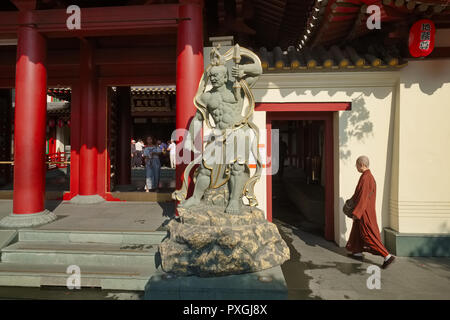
column 319, row 117
column 298, row 188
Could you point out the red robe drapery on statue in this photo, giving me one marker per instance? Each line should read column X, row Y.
column 365, row 235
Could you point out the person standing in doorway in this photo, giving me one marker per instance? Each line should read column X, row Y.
column 172, row 151
column 365, row 235
column 133, row 153
column 139, row 148
column 163, row 146
column 152, row 152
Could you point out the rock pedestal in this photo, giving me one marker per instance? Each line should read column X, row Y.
column 205, row 241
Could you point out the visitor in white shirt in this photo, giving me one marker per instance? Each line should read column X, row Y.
column 172, row 148
column 139, row 146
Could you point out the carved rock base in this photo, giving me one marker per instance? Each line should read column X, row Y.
column 205, row 241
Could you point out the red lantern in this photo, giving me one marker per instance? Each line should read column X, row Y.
column 51, row 123
column 60, row 123
column 421, row 38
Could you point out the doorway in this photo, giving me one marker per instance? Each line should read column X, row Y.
column 317, row 116
column 146, row 111
column 298, row 187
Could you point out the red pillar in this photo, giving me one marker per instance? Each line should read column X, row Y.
column 30, row 122
column 189, row 66
column 88, row 117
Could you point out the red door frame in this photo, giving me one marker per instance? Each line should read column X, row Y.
column 104, row 165
column 306, row 111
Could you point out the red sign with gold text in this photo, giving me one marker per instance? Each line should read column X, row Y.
column 421, row 38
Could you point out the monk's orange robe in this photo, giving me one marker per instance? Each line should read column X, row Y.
column 365, row 235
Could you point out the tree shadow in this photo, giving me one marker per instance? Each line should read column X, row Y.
column 354, row 124
column 296, row 270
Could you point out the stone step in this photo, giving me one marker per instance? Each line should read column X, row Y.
column 144, row 196
column 165, row 172
column 111, row 237
column 88, row 254
column 104, row 277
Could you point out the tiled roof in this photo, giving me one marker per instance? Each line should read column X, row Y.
column 332, row 59
column 65, row 92
column 153, row 89
column 337, row 21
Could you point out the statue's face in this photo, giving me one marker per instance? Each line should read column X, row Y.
column 218, row 76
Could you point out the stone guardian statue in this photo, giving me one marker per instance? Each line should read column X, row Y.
column 216, row 233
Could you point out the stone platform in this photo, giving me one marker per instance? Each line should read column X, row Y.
column 263, row 285
column 207, row 242
column 113, row 243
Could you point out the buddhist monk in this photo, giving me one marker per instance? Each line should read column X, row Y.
column 365, row 235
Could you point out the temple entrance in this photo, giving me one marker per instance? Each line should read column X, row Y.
column 300, row 190
column 135, row 114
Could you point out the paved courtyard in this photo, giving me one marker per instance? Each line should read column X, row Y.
column 106, row 216
column 318, row 269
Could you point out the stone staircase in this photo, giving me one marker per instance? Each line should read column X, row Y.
column 108, row 260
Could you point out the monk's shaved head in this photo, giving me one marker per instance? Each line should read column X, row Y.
column 363, row 161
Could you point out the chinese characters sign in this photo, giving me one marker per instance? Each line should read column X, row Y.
column 155, row 102
column 421, row 38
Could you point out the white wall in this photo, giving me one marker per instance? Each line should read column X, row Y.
column 366, row 129
column 421, row 178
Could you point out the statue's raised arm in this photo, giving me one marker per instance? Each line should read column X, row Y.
column 248, row 72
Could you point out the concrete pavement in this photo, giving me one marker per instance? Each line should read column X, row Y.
column 318, row 269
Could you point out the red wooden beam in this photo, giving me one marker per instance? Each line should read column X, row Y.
column 144, row 19
column 157, row 55
column 108, row 56
column 24, row 5
column 137, row 69
column 9, row 21
column 340, row 9
column 311, row 106
column 140, row 80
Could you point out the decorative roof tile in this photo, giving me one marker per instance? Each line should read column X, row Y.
column 333, row 58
